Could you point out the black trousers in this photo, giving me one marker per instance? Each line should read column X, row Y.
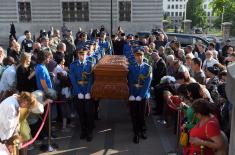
column 137, row 111
column 85, row 110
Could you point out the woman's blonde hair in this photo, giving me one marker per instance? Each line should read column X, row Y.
column 29, row 98
column 24, row 56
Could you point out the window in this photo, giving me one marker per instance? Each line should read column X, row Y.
column 176, row 6
column 75, row 11
column 172, row 6
column 169, row 6
column 176, row 13
column 24, row 9
column 181, row 6
column 208, row 14
column 205, row 6
column 180, row 14
column 172, row 14
column 125, row 11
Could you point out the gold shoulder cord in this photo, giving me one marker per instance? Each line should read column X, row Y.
column 84, row 74
column 142, row 77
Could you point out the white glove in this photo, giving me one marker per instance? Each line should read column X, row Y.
column 87, row 96
column 138, row 98
column 131, row 98
column 80, row 96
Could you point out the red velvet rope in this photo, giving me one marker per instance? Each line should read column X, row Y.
column 38, row 132
column 40, row 129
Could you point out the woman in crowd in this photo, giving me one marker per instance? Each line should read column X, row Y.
column 25, row 75
column 10, row 115
column 205, row 136
column 61, row 85
column 188, row 93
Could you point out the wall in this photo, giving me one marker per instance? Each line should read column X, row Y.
column 45, row 13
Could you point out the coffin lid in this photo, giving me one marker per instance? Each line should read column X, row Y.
column 112, row 62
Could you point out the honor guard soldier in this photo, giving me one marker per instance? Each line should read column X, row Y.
column 139, row 80
column 128, row 50
column 82, row 40
column 82, row 79
column 105, row 45
column 94, row 57
column 91, row 56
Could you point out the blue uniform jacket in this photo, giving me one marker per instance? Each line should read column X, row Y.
column 139, row 80
column 106, row 46
column 79, row 73
column 127, row 51
column 97, row 55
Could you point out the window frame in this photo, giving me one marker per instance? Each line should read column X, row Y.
column 18, row 11
column 75, row 8
column 118, row 11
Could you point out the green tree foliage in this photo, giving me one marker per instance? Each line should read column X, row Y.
column 196, row 13
column 226, row 7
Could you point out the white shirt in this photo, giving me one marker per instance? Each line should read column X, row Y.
column 209, row 63
column 20, row 39
column 8, row 79
column 58, row 69
column 215, row 54
column 4, row 150
column 9, row 117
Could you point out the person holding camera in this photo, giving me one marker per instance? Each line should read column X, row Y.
column 161, row 39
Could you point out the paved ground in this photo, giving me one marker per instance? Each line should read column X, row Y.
column 113, row 135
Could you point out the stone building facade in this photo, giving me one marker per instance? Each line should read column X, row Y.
column 33, row 15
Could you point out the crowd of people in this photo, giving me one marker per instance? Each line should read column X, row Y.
column 191, row 77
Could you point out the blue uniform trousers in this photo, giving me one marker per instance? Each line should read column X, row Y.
column 85, row 110
column 138, row 111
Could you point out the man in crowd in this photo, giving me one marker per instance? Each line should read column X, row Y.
column 70, row 47
column 61, row 49
column 198, row 73
column 27, row 43
column 42, row 75
column 55, row 40
column 159, row 68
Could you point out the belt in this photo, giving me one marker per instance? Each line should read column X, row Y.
column 82, row 82
column 138, row 85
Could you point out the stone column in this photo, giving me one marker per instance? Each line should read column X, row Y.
column 230, row 89
column 226, row 27
column 187, row 26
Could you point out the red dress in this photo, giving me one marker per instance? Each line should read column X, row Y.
column 213, row 129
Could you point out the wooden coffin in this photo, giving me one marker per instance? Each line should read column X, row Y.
column 110, row 78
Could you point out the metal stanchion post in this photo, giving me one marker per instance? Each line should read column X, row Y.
column 178, row 128
column 50, row 148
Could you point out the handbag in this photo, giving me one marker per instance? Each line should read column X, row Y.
column 184, row 138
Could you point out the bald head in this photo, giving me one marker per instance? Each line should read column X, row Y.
column 36, row 45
